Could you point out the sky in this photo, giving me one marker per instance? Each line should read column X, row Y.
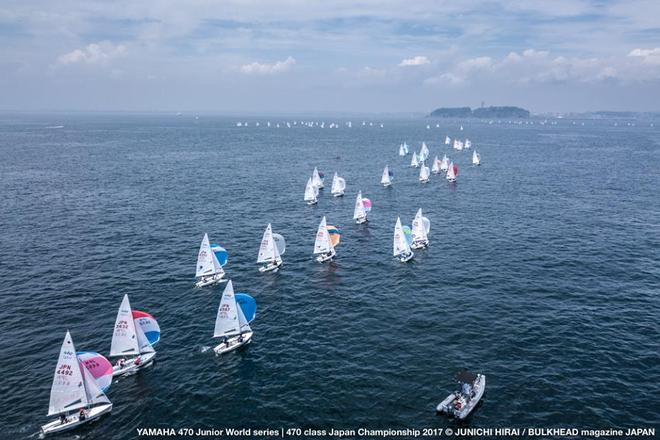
column 387, row 56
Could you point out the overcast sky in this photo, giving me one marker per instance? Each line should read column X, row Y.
column 331, row 55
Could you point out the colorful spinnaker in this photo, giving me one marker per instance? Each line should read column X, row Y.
column 149, row 326
column 248, row 305
column 334, row 234
column 99, row 366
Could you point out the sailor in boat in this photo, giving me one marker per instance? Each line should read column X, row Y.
column 82, row 414
column 121, row 362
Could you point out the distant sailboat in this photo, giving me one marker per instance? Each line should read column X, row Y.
column 461, row 128
column 476, row 158
column 401, row 247
column 452, row 172
column 458, row 145
column 271, row 250
column 447, row 140
column 414, row 162
column 386, row 179
column 405, row 147
column 129, row 341
column 361, row 209
column 311, row 193
column 322, row 245
column 436, row 165
column 231, row 323
column 75, row 396
column 420, row 229
column 424, row 173
column 338, row 185
column 209, row 271
column 317, row 179
column 468, row 144
column 444, row 165
column 423, row 152
column 402, row 152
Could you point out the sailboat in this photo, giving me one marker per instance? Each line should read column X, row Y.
column 444, row 165
column 468, row 143
column 75, row 396
column 362, row 206
column 230, row 323
column 424, row 173
column 271, row 250
column 452, row 172
column 458, row 145
column 322, row 245
column 401, row 246
column 402, row 152
column 420, row 229
column 436, row 165
column 311, row 193
column 414, row 162
column 447, row 140
column 338, row 185
column 317, row 178
column 209, row 269
column 386, row 180
column 129, row 341
column 476, row 158
column 405, row 147
column 424, row 152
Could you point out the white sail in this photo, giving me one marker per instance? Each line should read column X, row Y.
column 310, row 191
column 359, row 211
column 226, row 321
column 402, row 152
column 436, row 165
column 124, row 338
column 267, row 250
column 322, row 243
column 414, row 162
column 420, row 226
column 206, row 262
column 386, row 180
column 93, row 392
column 424, row 173
column 405, row 147
column 280, row 244
column 476, row 158
column 444, row 165
column 447, row 140
column 316, row 178
column 338, row 184
column 424, row 152
column 451, row 175
column 68, row 391
column 400, row 242
column 468, row 144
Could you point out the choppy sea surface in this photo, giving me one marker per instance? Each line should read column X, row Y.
column 543, row 271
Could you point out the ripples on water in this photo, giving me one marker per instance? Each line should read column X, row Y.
column 542, row 272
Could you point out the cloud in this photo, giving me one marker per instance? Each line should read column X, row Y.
column 268, row 69
column 415, row 61
column 95, row 53
column 648, row 56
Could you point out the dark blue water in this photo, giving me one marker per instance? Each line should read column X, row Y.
column 543, row 272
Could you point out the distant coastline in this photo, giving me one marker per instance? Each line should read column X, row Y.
column 482, row 112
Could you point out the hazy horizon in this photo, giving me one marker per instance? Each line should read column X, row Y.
column 358, row 57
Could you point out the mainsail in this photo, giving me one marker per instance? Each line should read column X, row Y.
column 400, row 244
column 267, row 251
column 359, row 211
column 420, row 227
column 124, row 339
column 68, row 390
column 386, row 179
column 207, row 262
column 226, row 321
column 310, row 191
column 322, row 243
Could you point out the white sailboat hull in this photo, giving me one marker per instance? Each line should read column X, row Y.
column 420, row 244
column 129, row 366
column 233, row 343
column 312, row 202
column 322, row 258
column 338, row 194
column 209, row 280
column 270, row 267
column 448, row 407
column 423, row 180
column 361, row 220
column 387, row 184
column 74, row 421
column 404, row 258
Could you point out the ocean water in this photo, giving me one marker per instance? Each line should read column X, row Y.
column 543, row 271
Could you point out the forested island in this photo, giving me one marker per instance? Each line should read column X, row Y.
column 482, row 112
